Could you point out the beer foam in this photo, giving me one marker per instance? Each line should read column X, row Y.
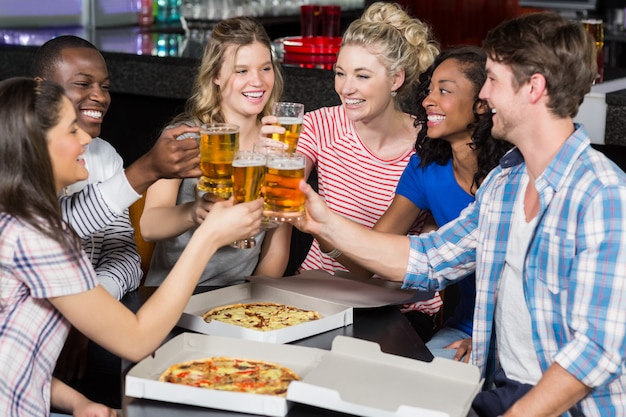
column 248, row 163
column 290, row 120
column 285, row 164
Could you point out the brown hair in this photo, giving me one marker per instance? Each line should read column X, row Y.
column 27, row 187
column 548, row 44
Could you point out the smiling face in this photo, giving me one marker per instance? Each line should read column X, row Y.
column 504, row 99
column 84, row 75
column 362, row 83
column 449, row 104
column 66, row 145
column 246, row 80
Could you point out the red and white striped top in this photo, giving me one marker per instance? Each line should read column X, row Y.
column 353, row 181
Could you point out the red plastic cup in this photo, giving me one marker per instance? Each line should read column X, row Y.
column 331, row 21
column 309, row 20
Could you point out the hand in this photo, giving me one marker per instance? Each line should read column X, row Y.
column 317, row 212
column 174, row 158
column 89, row 408
column 65, row 398
column 72, row 361
column 228, row 222
column 270, row 125
column 203, row 206
column 463, row 349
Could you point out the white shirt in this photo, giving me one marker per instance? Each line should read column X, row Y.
column 111, row 249
column 516, row 351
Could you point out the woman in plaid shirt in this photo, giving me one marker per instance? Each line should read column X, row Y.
column 47, row 282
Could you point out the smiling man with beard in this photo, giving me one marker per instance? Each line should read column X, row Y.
column 546, row 236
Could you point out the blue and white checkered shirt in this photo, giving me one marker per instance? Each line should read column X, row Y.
column 574, row 271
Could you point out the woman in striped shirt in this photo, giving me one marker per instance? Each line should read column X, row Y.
column 361, row 147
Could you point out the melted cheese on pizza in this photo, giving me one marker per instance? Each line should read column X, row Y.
column 232, row 374
column 261, row 316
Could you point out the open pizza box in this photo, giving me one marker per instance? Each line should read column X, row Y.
column 333, row 315
column 333, row 296
column 354, row 377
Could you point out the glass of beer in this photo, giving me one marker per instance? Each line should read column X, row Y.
column 267, row 146
column 283, row 200
column 596, row 28
column 218, row 143
column 248, row 174
column 290, row 117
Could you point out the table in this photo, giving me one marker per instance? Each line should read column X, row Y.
column 386, row 326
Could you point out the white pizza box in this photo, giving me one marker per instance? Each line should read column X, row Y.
column 354, row 377
column 142, row 381
column 333, row 315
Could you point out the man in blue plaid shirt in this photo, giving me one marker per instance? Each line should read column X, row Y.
column 546, row 236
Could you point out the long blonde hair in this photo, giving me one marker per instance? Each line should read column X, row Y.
column 397, row 39
column 205, row 104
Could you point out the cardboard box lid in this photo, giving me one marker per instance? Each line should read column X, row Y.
column 355, row 377
column 346, row 288
column 334, row 315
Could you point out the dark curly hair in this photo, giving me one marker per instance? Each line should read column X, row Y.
column 488, row 150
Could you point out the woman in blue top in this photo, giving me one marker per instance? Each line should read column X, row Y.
column 454, row 154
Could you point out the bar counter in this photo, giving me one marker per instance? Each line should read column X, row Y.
column 148, row 90
column 150, row 83
column 386, row 326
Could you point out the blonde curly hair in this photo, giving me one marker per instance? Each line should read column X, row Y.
column 400, row 42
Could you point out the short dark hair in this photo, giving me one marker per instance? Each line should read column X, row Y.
column 549, row 44
column 49, row 54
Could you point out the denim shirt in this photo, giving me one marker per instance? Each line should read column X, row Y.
column 574, row 270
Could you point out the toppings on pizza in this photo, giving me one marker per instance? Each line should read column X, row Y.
column 232, row 374
column 261, row 316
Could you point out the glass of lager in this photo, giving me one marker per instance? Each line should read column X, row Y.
column 248, row 174
column 283, row 200
column 596, row 28
column 218, row 143
column 267, row 146
column 290, row 117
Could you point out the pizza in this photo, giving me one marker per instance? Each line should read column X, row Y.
column 261, row 316
column 232, row 374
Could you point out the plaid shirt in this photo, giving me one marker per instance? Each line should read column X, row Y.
column 574, row 271
column 33, row 268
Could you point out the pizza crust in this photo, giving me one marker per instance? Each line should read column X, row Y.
column 226, row 373
column 261, row 316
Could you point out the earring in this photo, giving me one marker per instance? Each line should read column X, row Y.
column 394, row 93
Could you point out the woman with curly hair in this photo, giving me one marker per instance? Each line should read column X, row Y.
column 238, row 82
column 454, row 153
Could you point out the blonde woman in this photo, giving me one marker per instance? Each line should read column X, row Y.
column 361, row 147
column 238, row 82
